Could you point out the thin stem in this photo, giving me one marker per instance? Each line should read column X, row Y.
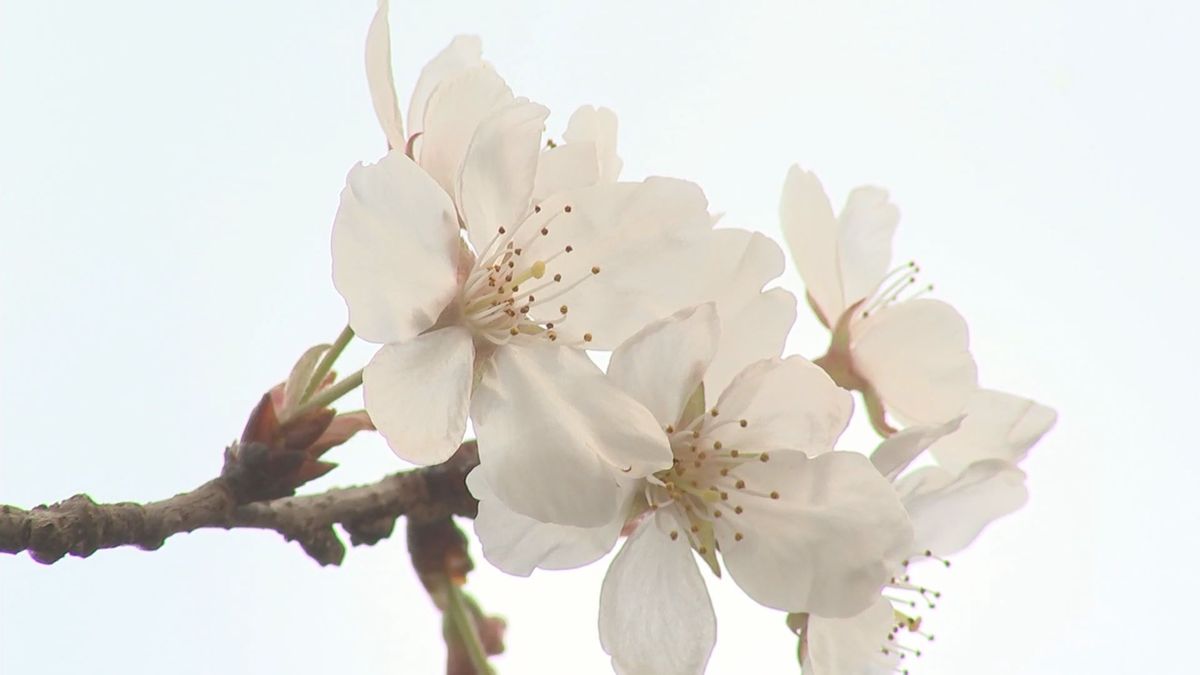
column 327, row 396
column 327, row 361
column 456, row 608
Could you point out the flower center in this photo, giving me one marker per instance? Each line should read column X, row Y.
column 506, row 283
column 895, row 286
column 906, row 598
column 704, row 485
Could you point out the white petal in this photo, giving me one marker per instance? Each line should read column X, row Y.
column 599, row 127
column 738, row 263
column 868, row 223
column 395, row 249
column 852, row 646
column 555, row 436
column 949, row 511
column 417, row 392
column 786, row 403
column 662, row 364
column 997, row 426
column 645, row 240
column 566, row 167
column 379, row 78
column 896, row 452
column 823, row 545
column 517, row 544
column 456, row 108
column 916, row 356
column 655, row 614
column 496, row 182
column 757, row 330
column 463, row 53
column 811, row 232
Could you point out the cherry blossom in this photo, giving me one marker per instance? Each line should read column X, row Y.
column 975, row 481
column 907, row 356
column 454, row 93
column 753, row 478
column 492, row 323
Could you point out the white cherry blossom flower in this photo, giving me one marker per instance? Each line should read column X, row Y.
column 493, row 325
column 754, row 326
column 908, row 357
column 975, row 482
column 753, row 478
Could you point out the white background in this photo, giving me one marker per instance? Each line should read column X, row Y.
column 168, row 175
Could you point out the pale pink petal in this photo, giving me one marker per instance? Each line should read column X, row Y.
column 463, row 53
column 662, row 364
column 817, row 534
column 566, row 167
column 786, row 403
column 456, row 108
column 555, row 436
column 948, row 511
column 896, row 452
column 916, row 355
column 417, row 393
column 379, row 78
column 496, row 182
column 655, row 614
column 997, row 426
column 811, row 232
column 737, row 264
column 633, row 252
column 855, row 645
column 755, row 331
column 518, row 544
column 587, row 155
column 597, row 126
column 867, row 224
column 395, row 249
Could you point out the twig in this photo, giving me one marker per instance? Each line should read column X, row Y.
column 79, row 526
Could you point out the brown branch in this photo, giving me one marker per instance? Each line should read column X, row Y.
column 79, row 526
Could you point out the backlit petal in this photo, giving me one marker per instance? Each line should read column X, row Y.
column 395, row 249
column 819, row 538
column 379, row 78
column 463, row 53
column 555, row 436
column 496, row 182
column 867, row 224
column 417, row 393
column 811, row 232
column 456, row 108
column 916, row 356
column 634, row 249
column 948, row 511
column 852, row 646
column 997, row 426
column 662, row 364
column 755, row 331
column 896, row 452
column 655, row 614
column 518, row 544
column 786, row 403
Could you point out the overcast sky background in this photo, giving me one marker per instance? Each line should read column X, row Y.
column 169, row 173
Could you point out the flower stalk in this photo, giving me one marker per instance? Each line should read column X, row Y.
column 464, row 625
column 327, row 396
column 327, row 361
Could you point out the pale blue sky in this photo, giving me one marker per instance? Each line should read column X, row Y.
column 168, row 174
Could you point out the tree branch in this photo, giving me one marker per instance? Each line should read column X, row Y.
column 79, row 526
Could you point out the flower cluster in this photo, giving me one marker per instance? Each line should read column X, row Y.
column 491, row 266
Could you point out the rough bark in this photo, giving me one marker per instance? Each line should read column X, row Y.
column 79, row 526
